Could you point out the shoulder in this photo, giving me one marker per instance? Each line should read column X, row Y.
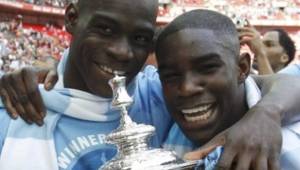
column 150, row 73
column 148, row 80
column 293, row 69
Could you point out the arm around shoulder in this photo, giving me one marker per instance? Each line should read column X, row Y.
column 280, row 95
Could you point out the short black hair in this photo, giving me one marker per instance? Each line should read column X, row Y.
column 202, row 19
column 287, row 44
column 88, row 3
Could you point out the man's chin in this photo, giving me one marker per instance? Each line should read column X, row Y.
column 199, row 138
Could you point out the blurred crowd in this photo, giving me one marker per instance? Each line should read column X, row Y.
column 52, row 3
column 22, row 46
column 239, row 10
column 250, row 9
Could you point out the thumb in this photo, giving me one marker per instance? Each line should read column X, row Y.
column 206, row 148
column 50, row 80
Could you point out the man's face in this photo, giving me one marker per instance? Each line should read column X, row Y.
column 273, row 48
column 198, row 80
column 112, row 37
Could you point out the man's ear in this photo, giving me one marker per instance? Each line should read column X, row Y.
column 71, row 17
column 284, row 58
column 244, row 66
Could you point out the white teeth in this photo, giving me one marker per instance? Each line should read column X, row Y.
column 198, row 113
column 197, row 109
column 111, row 71
column 120, row 73
column 205, row 116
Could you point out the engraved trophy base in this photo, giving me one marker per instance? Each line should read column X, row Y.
column 134, row 153
column 155, row 159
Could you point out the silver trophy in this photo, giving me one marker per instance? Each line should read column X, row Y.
column 131, row 140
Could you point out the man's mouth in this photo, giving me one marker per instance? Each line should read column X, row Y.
column 198, row 113
column 110, row 70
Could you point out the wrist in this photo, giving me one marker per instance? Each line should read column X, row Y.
column 260, row 53
column 271, row 110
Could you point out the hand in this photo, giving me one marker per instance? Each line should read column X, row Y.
column 21, row 96
column 250, row 36
column 252, row 143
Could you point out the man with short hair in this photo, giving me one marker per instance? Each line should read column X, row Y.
column 280, row 48
column 273, row 52
column 106, row 41
column 207, row 90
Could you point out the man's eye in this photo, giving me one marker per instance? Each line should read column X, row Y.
column 269, row 44
column 141, row 39
column 170, row 77
column 208, row 69
column 105, row 30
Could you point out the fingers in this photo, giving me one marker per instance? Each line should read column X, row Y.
column 246, row 29
column 36, row 103
column 20, row 95
column 243, row 162
column 246, row 38
column 218, row 140
column 50, row 80
column 24, row 97
column 273, row 162
column 261, row 163
column 201, row 153
column 6, row 100
column 226, row 160
column 8, row 84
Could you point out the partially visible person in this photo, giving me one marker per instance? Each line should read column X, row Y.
column 207, row 90
column 274, row 51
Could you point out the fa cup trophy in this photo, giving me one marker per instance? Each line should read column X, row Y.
column 131, row 140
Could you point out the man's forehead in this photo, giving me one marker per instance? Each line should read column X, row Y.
column 196, row 43
column 196, row 38
column 135, row 10
column 271, row 36
column 127, row 5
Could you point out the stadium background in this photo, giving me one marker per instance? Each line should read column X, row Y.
column 32, row 31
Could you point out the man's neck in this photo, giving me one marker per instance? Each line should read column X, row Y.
column 240, row 104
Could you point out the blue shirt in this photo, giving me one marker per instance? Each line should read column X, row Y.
column 292, row 69
column 80, row 144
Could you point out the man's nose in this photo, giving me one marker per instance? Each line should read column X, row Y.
column 121, row 50
column 189, row 87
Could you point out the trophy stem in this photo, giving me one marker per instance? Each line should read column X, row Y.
column 125, row 119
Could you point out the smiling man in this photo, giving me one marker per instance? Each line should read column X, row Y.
column 109, row 37
column 106, row 41
column 207, row 90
